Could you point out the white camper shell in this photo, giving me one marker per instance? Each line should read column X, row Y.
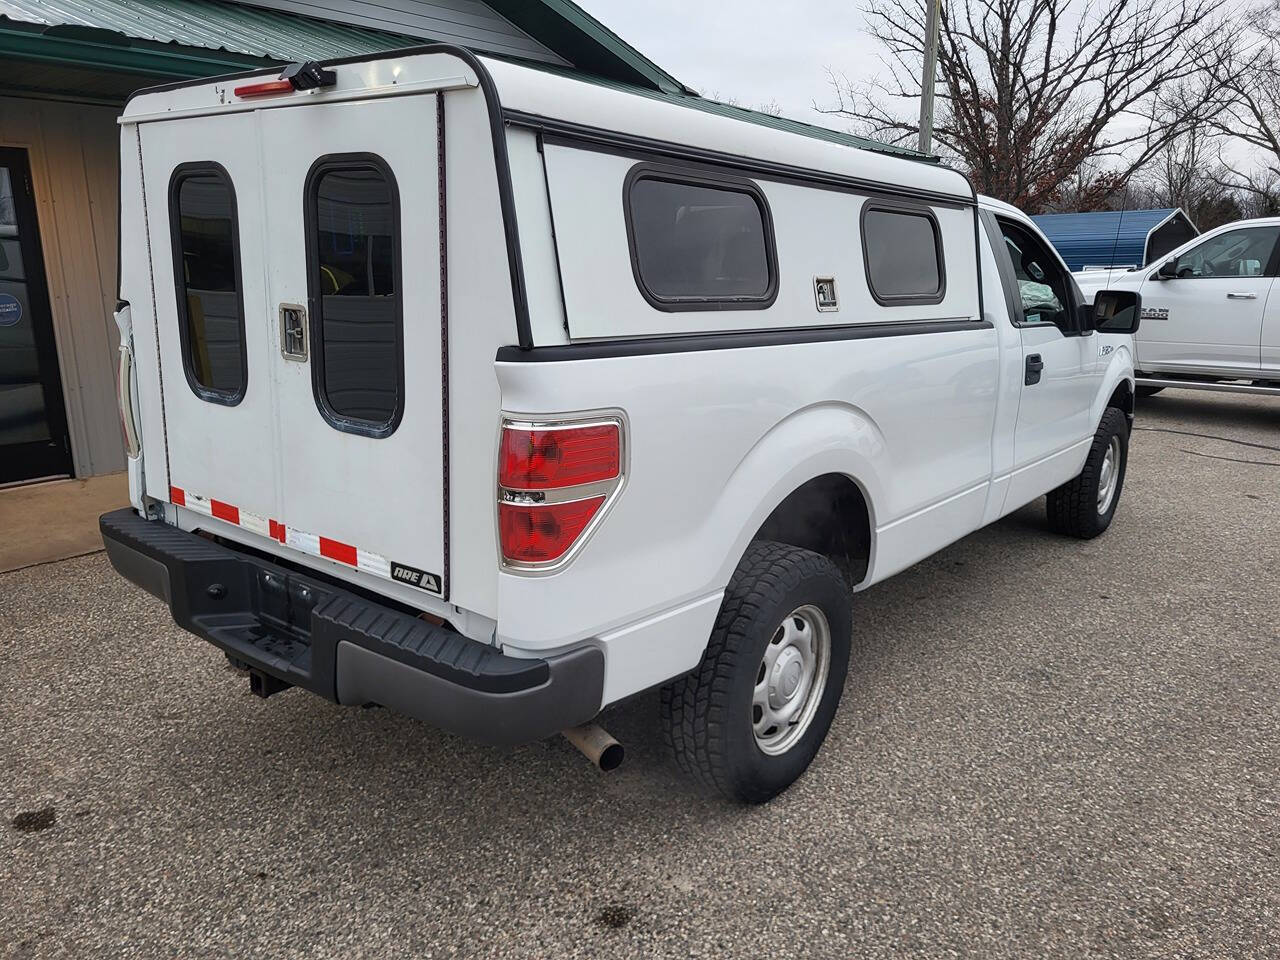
column 496, row 396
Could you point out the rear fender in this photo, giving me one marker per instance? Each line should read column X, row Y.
column 828, row 438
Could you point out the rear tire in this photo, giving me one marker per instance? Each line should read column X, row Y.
column 1083, row 507
column 751, row 717
column 1144, row 392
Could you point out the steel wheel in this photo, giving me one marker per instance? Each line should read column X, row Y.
column 1109, row 475
column 790, row 680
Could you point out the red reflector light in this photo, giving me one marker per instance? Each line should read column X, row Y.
column 541, row 459
column 543, row 532
column 264, row 89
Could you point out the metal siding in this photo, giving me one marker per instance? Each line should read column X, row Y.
column 211, row 25
column 1102, row 238
column 468, row 23
column 74, row 154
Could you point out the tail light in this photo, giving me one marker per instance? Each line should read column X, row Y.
column 554, row 479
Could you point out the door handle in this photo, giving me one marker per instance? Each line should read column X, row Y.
column 293, row 332
column 1242, row 296
column 1034, row 367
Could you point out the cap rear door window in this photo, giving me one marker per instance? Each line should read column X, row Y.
column 353, row 220
column 206, row 255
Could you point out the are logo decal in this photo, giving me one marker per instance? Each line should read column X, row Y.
column 1155, row 313
column 414, row 577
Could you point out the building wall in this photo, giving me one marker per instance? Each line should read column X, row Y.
column 74, row 154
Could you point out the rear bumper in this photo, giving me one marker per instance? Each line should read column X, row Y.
column 306, row 632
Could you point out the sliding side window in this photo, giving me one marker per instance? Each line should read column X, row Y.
column 353, row 272
column 206, row 260
column 698, row 241
column 902, row 249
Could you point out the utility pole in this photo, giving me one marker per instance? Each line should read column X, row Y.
column 929, row 78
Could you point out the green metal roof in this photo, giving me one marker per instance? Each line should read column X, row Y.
column 213, row 25
column 85, row 29
column 204, row 38
column 585, row 42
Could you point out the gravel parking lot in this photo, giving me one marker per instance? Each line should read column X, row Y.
column 1045, row 749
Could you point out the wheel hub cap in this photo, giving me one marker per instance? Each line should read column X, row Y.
column 785, row 679
column 1109, row 475
column 790, row 679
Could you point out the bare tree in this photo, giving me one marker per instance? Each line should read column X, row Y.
column 1189, row 173
column 1030, row 90
column 1249, row 84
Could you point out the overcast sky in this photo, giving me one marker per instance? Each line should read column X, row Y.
column 761, row 51
column 754, row 51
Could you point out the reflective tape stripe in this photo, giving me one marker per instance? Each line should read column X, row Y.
column 255, row 523
column 373, row 563
column 306, row 542
column 309, row 543
column 225, row 511
column 336, row 550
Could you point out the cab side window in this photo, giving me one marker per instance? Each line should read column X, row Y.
column 1043, row 285
column 1240, row 253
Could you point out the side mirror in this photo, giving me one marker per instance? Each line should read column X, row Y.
column 1168, row 270
column 1117, row 311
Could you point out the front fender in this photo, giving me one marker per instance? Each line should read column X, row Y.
column 1118, row 369
column 827, row 438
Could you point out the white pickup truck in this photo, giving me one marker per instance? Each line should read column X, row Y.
column 496, row 397
column 1210, row 311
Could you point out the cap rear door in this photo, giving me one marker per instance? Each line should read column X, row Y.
column 351, row 204
column 217, row 350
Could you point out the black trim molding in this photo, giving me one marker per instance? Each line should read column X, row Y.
column 567, row 133
column 701, row 177
column 181, row 173
column 912, row 210
column 647, row 346
column 331, row 163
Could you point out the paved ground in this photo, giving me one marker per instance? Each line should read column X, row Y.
column 1047, row 750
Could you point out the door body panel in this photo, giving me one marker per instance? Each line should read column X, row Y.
column 1270, row 358
column 1059, row 367
column 216, row 450
column 1203, row 325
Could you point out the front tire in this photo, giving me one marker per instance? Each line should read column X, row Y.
column 751, row 717
column 1084, row 507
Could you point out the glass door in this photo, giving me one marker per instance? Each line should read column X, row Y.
column 33, row 422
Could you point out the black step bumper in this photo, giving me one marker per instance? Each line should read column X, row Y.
column 306, row 632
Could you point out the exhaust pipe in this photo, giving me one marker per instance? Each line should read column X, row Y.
column 596, row 745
